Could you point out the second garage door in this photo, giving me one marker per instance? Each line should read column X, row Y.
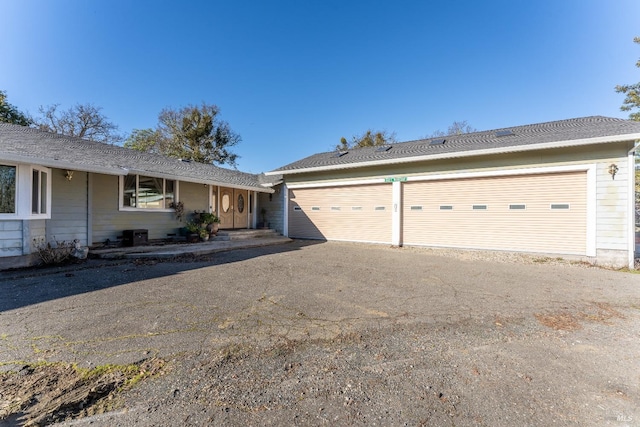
column 534, row 213
column 359, row 213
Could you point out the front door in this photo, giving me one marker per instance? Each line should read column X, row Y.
column 234, row 208
column 240, row 213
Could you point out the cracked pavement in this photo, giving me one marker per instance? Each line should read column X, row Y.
column 475, row 327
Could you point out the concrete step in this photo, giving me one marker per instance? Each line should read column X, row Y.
column 225, row 235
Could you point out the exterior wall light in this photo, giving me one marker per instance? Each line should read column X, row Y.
column 69, row 175
column 613, row 170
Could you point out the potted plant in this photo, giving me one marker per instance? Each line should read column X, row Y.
column 193, row 231
column 211, row 222
column 204, row 234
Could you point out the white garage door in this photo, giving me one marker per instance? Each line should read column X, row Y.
column 359, row 213
column 537, row 213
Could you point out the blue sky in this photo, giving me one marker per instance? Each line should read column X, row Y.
column 292, row 77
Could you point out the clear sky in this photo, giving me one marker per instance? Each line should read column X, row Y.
column 292, row 77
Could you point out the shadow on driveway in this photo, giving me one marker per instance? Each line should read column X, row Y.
column 25, row 287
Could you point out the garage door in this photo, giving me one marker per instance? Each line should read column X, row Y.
column 537, row 213
column 355, row 213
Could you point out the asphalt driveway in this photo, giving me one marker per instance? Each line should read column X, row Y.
column 341, row 334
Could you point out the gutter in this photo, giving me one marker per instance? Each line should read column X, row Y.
column 463, row 154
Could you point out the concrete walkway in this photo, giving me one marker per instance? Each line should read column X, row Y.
column 181, row 249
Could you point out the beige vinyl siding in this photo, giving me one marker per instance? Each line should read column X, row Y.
column 68, row 207
column 536, row 228
column 335, row 219
column 612, row 205
column 274, row 208
column 194, row 196
column 109, row 222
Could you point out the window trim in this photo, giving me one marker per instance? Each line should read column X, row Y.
column 39, row 214
column 16, row 201
column 122, row 207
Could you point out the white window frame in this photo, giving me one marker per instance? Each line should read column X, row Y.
column 124, row 208
column 47, row 203
column 16, row 202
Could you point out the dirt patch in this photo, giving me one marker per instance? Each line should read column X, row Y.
column 42, row 394
column 559, row 321
column 600, row 312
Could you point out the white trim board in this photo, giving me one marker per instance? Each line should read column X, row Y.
column 453, row 175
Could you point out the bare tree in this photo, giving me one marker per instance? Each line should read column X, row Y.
column 456, row 128
column 82, row 120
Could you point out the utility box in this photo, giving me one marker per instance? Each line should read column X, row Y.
column 135, row 237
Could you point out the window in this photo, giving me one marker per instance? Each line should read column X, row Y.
column 7, row 189
column 558, row 206
column 379, row 208
column 356, row 208
column 479, row 207
column 446, row 207
column 145, row 192
column 416, row 208
column 335, row 208
column 315, row 208
column 297, row 208
column 39, row 188
column 517, row 207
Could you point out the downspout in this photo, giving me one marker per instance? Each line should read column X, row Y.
column 632, row 207
column 89, row 209
column 285, row 210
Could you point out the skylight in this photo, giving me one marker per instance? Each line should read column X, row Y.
column 438, row 141
column 505, row 132
column 383, row 148
column 340, row 153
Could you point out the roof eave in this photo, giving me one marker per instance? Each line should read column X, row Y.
column 461, row 154
column 59, row 164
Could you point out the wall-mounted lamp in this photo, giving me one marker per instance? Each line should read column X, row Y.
column 613, row 170
column 69, row 175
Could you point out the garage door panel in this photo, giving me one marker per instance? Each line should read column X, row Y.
column 355, row 213
column 535, row 228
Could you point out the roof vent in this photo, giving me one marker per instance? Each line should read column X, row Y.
column 383, row 148
column 506, row 132
column 438, row 141
column 340, row 153
column 185, row 160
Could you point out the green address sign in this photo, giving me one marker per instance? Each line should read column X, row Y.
column 396, row 179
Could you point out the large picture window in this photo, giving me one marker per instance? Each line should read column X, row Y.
column 7, row 189
column 146, row 192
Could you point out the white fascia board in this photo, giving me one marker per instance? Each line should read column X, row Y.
column 462, row 154
column 59, row 164
column 199, row 181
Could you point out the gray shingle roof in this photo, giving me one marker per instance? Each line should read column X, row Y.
column 528, row 135
column 23, row 144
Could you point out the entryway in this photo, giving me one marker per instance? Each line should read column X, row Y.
column 233, row 208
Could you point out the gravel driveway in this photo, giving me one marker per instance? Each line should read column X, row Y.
column 340, row 334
